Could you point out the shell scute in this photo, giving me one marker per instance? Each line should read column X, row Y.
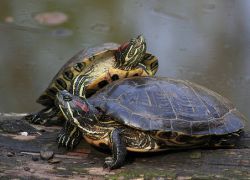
column 68, row 75
column 233, row 120
column 217, row 126
column 79, row 66
column 148, row 102
column 60, row 84
column 200, row 127
column 52, row 91
column 185, row 102
column 182, row 126
column 215, row 103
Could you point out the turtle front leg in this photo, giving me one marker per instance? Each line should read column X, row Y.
column 47, row 116
column 119, row 151
column 69, row 136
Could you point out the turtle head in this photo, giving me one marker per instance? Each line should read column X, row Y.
column 75, row 109
column 131, row 53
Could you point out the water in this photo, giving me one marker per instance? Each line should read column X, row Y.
column 204, row 41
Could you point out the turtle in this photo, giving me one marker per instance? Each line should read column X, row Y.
column 149, row 114
column 100, row 65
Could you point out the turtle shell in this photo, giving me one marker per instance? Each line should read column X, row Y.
column 102, row 57
column 164, row 104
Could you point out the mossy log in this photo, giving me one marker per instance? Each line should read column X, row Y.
column 21, row 143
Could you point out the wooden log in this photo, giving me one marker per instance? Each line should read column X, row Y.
column 20, row 158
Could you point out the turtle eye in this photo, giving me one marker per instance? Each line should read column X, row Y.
column 67, row 97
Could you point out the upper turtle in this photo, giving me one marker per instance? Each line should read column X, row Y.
column 103, row 64
column 100, row 66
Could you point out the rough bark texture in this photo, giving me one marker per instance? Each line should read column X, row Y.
column 20, row 158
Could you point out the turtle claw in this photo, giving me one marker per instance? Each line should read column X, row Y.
column 69, row 136
column 106, row 168
column 34, row 119
column 108, row 164
column 29, row 117
column 47, row 116
column 108, row 159
column 69, row 142
column 61, row 140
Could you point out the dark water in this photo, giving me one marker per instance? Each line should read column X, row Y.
column 204, row 41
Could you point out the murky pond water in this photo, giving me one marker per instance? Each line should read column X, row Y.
column 204, row 41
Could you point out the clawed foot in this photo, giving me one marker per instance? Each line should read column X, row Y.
column 69, row 136
column 67, row 141
column 109, row 164
column 47, row 116
column 119, row 151
column 35, row 119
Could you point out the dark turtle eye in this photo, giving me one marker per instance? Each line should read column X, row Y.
column 67, row 97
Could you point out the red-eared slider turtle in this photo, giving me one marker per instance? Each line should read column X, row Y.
column 148, row 114
column 100, row 65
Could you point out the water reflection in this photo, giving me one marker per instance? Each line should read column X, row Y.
column 203, row 41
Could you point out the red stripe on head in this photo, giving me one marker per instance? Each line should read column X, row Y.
column 123, row 46
column 82, row 106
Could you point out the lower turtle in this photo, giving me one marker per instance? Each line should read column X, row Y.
column 149, row 114
column 101, row 65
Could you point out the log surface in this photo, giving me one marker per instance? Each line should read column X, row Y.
column 20, row 158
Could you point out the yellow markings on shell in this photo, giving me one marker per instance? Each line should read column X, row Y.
column 145, row 149
column 98, row 142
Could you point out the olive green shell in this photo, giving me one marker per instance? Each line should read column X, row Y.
column 81, row 63
column 168, row 105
